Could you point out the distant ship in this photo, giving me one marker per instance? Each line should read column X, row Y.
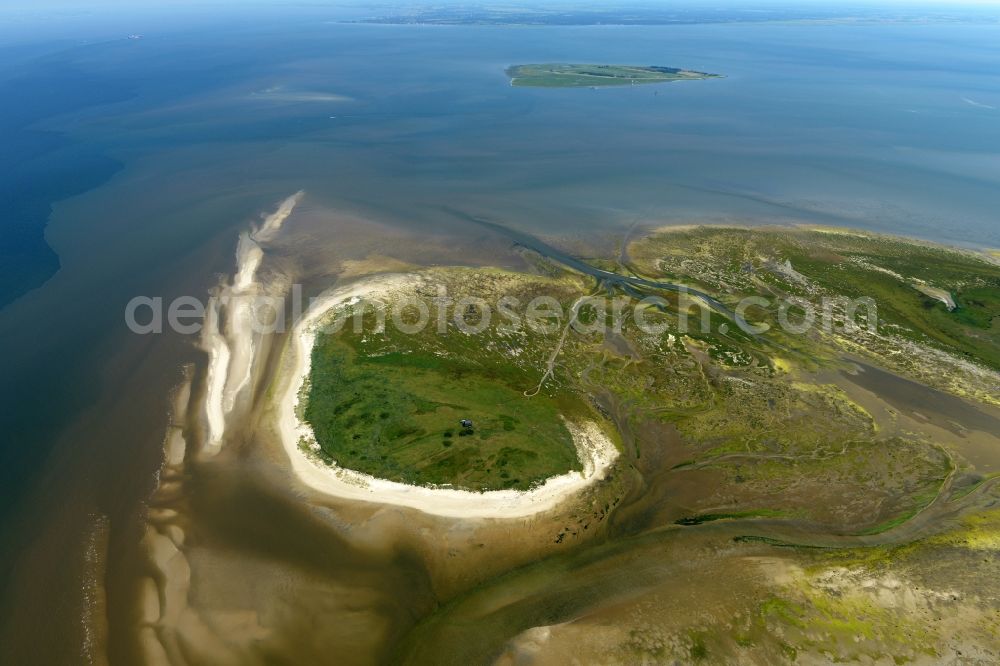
column 135, row 36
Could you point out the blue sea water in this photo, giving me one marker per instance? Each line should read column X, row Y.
column 892, row 127
column 179, row 136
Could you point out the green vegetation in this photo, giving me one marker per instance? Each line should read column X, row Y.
column 562, row 75
column 699, row 651
column 900, row 276
column 744, row 409
column 849, row 626
column 397, row 416
column 909, row 602
column 390, row 405
column 840, row 527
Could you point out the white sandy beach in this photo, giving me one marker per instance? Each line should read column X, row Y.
column 596, row 451
column 231, row 344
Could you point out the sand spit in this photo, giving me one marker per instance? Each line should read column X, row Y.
column 596, row 451
column 937, row 294
column 232, row 343
column 230, row 340
column 218, row 364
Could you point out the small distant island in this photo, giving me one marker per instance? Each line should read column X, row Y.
column 563, row 75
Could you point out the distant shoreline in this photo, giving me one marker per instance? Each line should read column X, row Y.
column 585, row 75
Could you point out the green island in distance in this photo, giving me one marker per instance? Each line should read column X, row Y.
column 564, row 75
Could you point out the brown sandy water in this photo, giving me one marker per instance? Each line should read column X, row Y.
column 972, row 430
column 941, row 409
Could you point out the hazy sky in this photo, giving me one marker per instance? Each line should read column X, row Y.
column 91, row 4
column 24, row 21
